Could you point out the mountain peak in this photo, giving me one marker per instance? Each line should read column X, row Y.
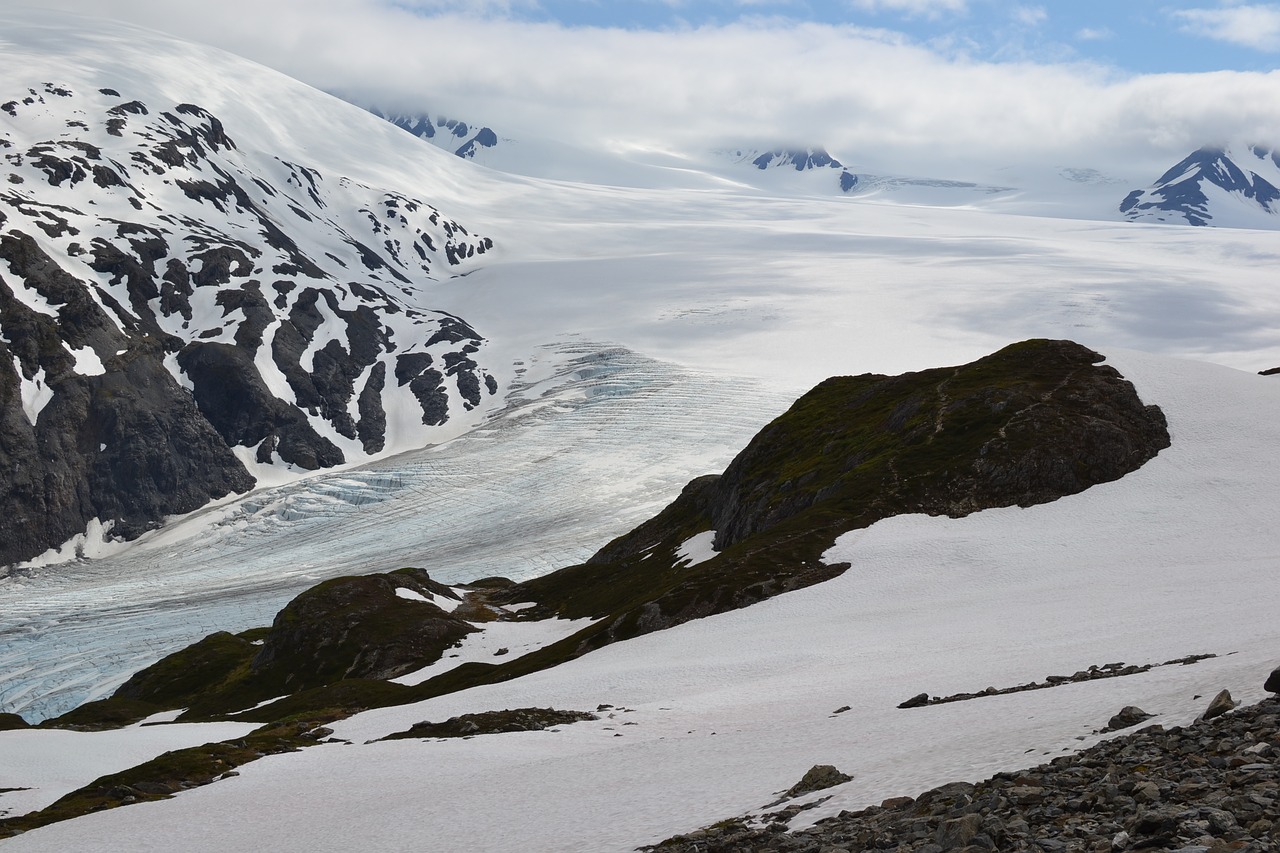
column 1214, row 185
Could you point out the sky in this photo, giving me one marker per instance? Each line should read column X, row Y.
column 947, row 88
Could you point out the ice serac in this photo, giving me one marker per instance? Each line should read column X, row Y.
column 1233, row 186
column 169, row 295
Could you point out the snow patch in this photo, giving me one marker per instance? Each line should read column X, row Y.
column 483, row 646
column 95, row 543
column 87, row 361
column 697, row 549
column 35, row 392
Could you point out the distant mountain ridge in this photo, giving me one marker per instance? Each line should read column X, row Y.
column 799, row 159
column 452, row 135
column 1213, row 186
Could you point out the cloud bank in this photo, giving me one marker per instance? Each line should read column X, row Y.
column 873, row 97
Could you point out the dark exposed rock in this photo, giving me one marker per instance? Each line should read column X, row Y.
column 817, row 778
column 494, row 722
column 235, row 400
column 126, row 445
column 1221, row 704
column 201, row 221
column 1273, row 681
column 917, row 701
column 1030, row 423
column 1128, row 717
column 9, row 722
column 1179, row 194
column 1093, row 673
column 357, row 627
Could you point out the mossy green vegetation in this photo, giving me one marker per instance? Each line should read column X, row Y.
column 1031, row 423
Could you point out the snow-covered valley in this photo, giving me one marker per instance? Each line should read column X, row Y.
column 639, row 336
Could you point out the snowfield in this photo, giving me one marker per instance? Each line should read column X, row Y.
column 641, row 336
column 716, row 717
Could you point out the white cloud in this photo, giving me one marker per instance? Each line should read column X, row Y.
column 1030, row 16
column 913, row 8
column 1094, row 34
column 1252, row 26
column 876, row 99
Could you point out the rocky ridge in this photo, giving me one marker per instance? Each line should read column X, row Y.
column 1209, row 787
column 176, row 305
column 1212, row 186
column 797, row 159
column 454, row 136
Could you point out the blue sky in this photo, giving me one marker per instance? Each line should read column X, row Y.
column 1140, row 36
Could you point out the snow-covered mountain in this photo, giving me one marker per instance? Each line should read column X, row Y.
column 794, row 159
column 1233, row 186
column 456, row 137
column 182, row 306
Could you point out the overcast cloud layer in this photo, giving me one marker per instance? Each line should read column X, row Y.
column 875, row 98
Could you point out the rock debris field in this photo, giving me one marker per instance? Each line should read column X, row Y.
column 1209, row 787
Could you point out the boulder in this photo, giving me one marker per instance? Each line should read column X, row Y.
column 917, row 701
column 1273, row 681
column 820, row 776
column 1221, row 704
column 1129, row 716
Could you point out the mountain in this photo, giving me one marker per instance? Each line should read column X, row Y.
column 797, row 159
column 1233, row 187
column 181, row 307
column 456, row 137
column 641, row 334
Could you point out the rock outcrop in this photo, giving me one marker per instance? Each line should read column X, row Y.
column 1031, row 423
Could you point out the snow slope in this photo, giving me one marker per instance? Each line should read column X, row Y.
column 1172, row 560
column 735, row 300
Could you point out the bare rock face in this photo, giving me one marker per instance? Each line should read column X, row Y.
column 1273, row 681
column 116, row 439
column 1221, row 704
column 817, row 778
column 1128, row 717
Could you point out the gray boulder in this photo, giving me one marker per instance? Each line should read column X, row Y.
column 1221, row 704
column 1129, row 716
